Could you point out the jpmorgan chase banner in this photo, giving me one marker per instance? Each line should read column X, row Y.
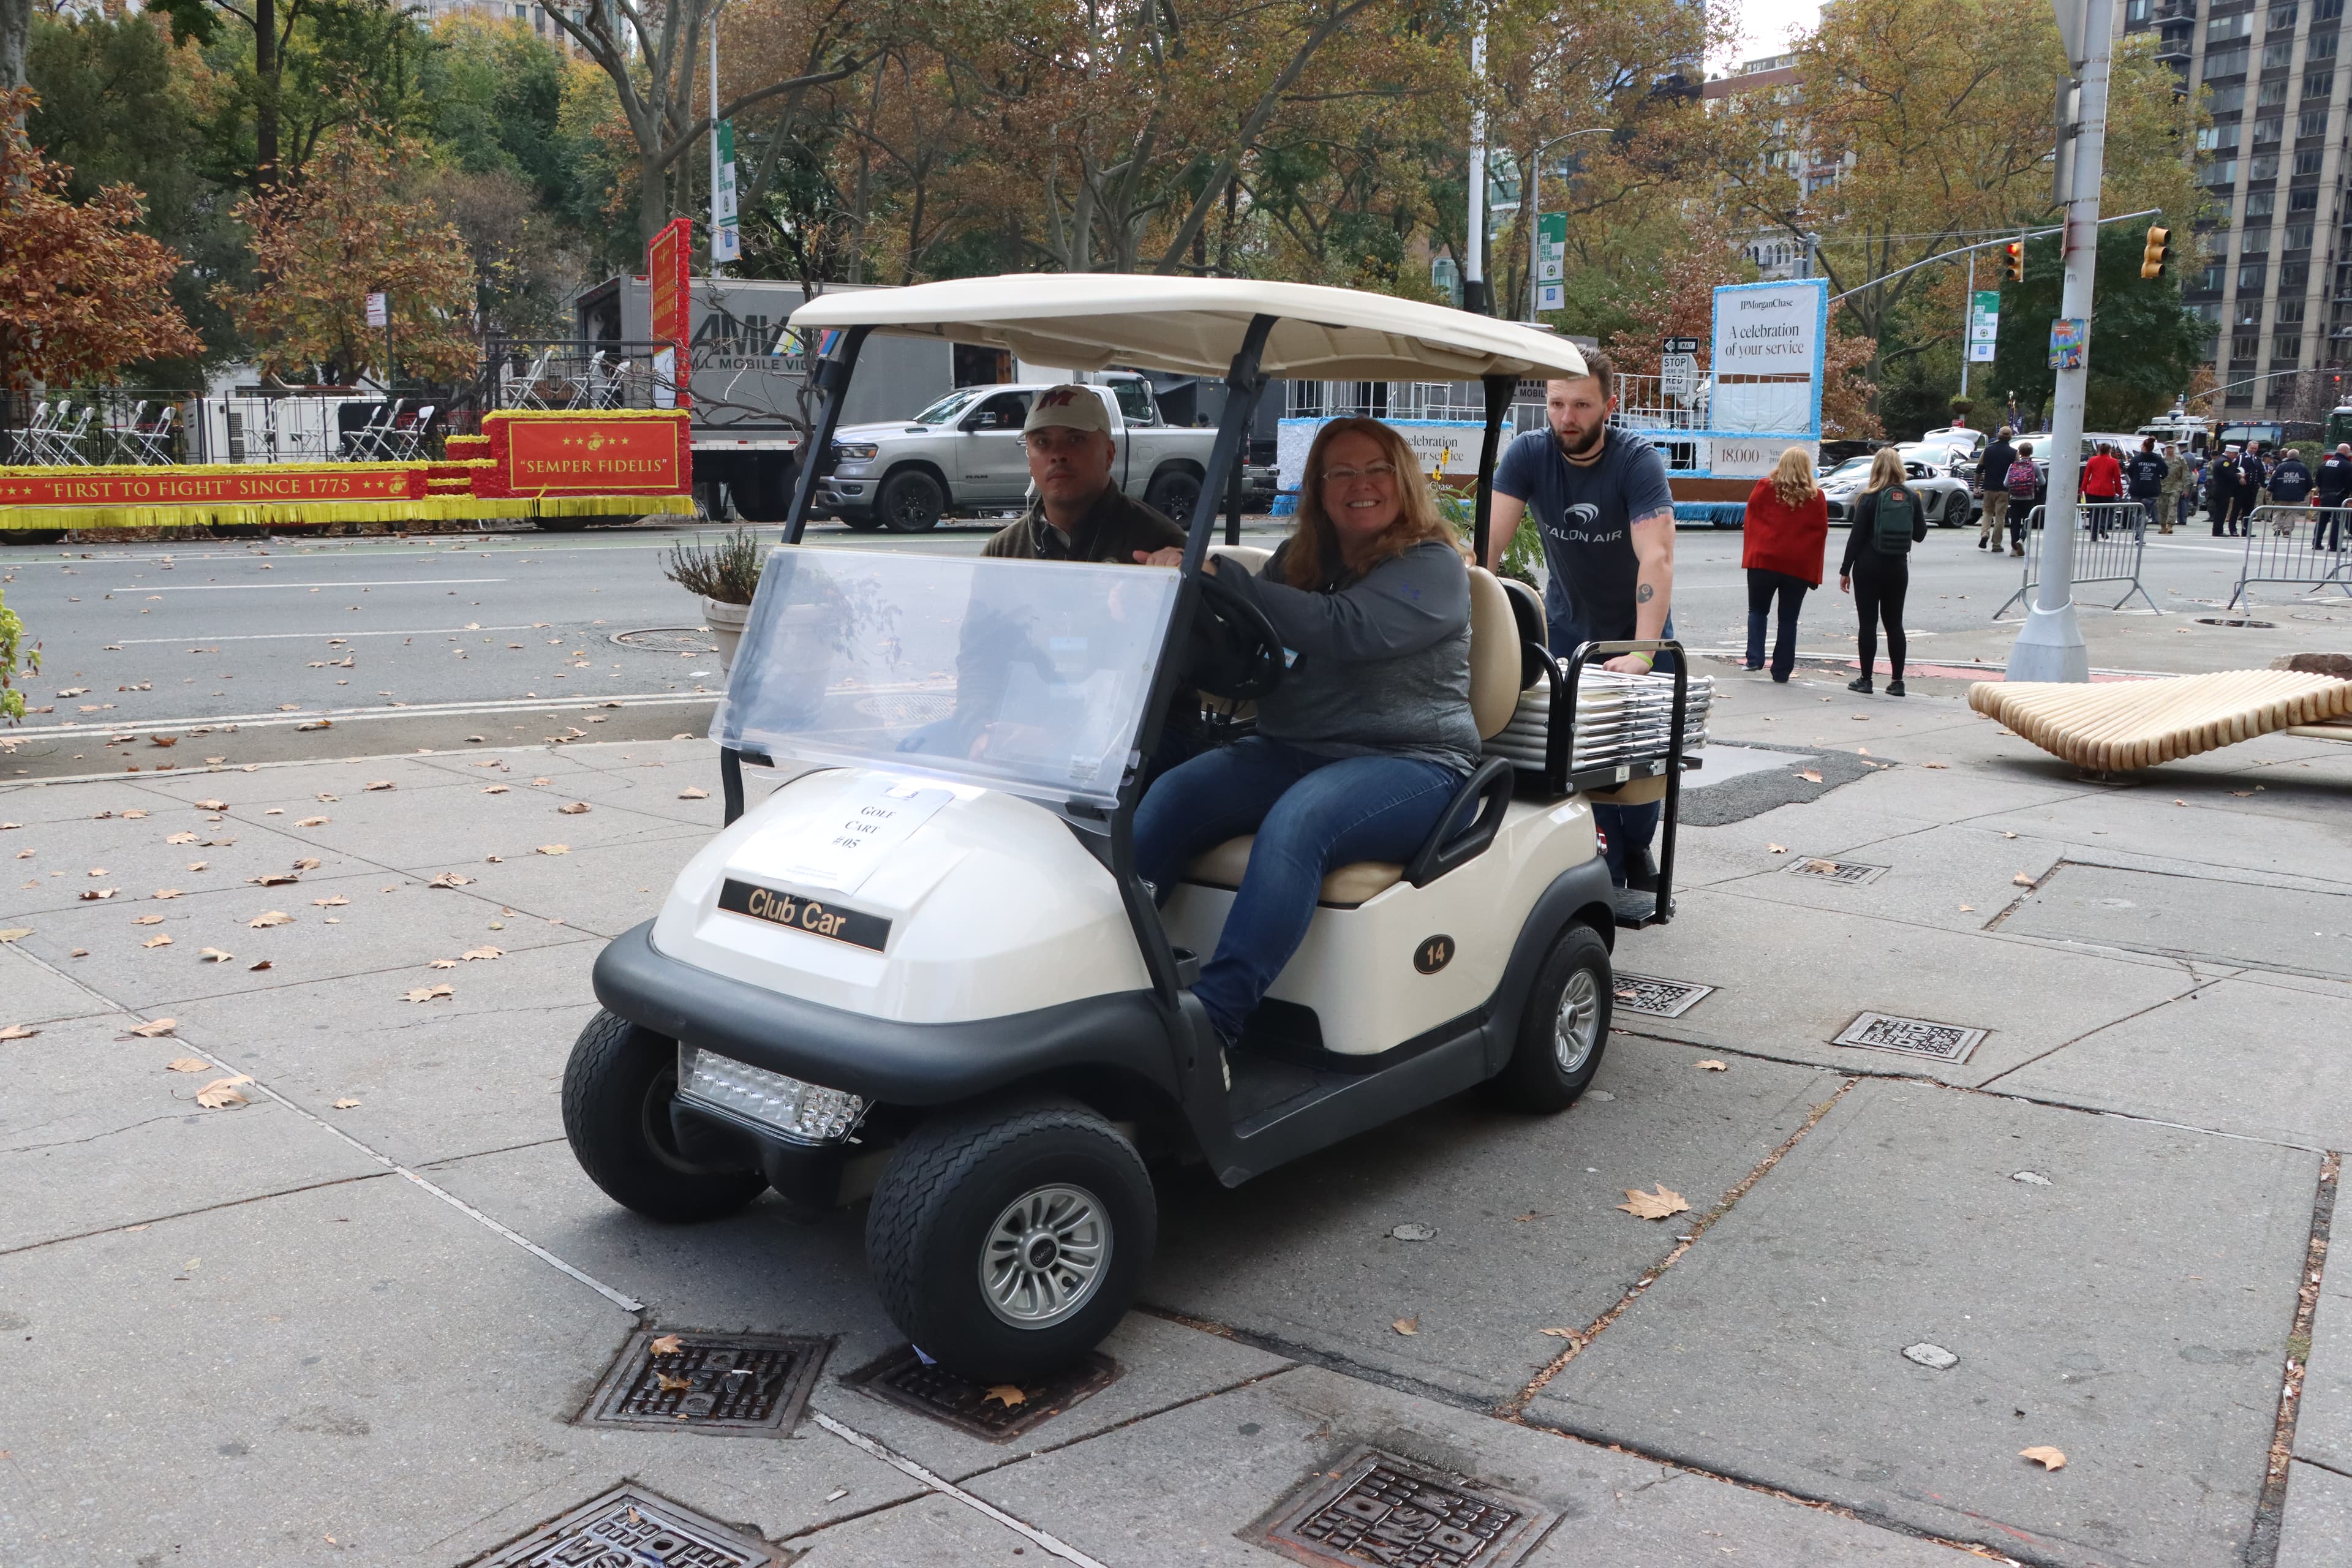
column 1772, row 328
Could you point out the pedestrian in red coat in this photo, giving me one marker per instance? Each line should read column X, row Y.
column 1785, row 539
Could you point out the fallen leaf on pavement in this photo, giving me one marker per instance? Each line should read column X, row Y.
column 1653, row 1206
column 212, row 805
column 13, row 932
column 264, row 964
column 1942, row 765
column 159, row 741
column 187, row 1063
column 673, row 1384
column 1776, row 849
column 273, row 878
column 554, row 849
column 427, row 993
column 472, row 954
column 496, row 789
column 441, row 964
column 320, row 724
column 146, row 919
column 214, row 955
column 158, row 939
column 576, row 808
column 1407, row 1325
column 1007, row 1394
column 17, row 1032
column 382, row 783
column 268, row 918
column 2180, row 803
column 308, row 863
column 198, row 865
column 2049, row 1458
column 1532, row 1214
column 448, row 880
column 1568, row 1334
column 222, row 1093
column 1810, row 776
column 335, row 902
column 314, row 822
column 164, row 894
column 542, row 781
column 667, row 1344
column 2023, row 880
column 89, row 894
column 1713, row 1066
column 1826, row 868
column 346, row 1105
column 2005, row 834
column 693, row 794
column 155, row 1030
column 181, row 838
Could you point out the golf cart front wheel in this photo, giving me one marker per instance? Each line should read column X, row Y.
column 1564, row 1028
column 1005, row 1243
column 617, row 1089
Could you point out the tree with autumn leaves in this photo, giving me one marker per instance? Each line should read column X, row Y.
column 322, row 247
column 82, row 291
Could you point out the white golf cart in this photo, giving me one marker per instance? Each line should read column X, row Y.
column 924, row 968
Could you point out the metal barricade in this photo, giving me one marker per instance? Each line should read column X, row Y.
column 2297, row 544
column 2110, row 538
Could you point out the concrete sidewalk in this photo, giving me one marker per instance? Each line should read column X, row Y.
column 368, row 1316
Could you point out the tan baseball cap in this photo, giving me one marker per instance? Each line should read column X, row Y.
column 1069, row 405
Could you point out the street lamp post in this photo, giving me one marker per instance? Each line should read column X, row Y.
column 1535, row 206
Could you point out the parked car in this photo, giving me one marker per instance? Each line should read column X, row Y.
column 963, row 454
column 1944, row 499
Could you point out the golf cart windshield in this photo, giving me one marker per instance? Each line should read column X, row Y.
column 1024, row 675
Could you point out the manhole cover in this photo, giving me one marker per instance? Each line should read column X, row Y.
column 742, row 1385
column 1379, row 1508
column 1910, row 1037
column 1853, row 872
column 898, row 710
column 667, row 639
column 999, row 1413
column 635, row 1529
column 2235, row 621
column 1658, row 998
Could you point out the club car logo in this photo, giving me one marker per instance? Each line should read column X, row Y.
column 803, row 914
column 1433, row 954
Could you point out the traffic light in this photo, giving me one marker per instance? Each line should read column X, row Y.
column 2151, row 260
column 2013, row 260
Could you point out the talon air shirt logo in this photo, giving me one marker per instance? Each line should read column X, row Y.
column 1433, row 954
column 851, row 926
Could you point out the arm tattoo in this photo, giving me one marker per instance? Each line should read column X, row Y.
column 1644, row 594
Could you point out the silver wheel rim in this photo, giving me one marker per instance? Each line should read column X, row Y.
column 1044, row 1256
column 1576, row 1025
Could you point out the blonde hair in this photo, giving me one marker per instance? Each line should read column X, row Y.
column 1886, row 469
column 1792, row 478
column 1315, row 542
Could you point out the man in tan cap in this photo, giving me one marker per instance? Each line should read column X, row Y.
column 1080, row 513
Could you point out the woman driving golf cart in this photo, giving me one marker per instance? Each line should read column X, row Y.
column 1367, row 736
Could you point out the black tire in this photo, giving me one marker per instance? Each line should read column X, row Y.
column 559, row 524
column 1544, row 1074
column 1173, row 495
column 948, row 1186
column 617, row 1089
column 911, row 502
column 31, row 535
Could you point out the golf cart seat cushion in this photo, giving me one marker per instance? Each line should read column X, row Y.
column 1495, row 667
column 1344, row 888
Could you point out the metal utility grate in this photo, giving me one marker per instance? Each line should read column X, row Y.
column 1853, row 873
column 667, row 639
column 1377, row 1509
column 1910, row 1037
column 738, row 1384
column 1656, row 998
column 998, row 1413
column 636, row 1528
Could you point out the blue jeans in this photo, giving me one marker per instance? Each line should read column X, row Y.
column 1623, row 826
column 1310, row 814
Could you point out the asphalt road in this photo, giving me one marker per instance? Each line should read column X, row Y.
column 230, row 649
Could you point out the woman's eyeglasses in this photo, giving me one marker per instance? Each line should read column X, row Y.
column 1368, row 472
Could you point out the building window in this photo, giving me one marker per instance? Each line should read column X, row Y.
column 2266, row 132
column 2281, row 19
column 2210, row 313
column 2298, row 237
column 2258, row 204
column 2319, row 84
column 2326, row 10
column 2323, row 47
column 2269, row 93
column 2302, row 201
column 2222, row 173
column 2224, row 138
column 2307, row 160
column 2229, row 62
column 2245, row 347
column 2294, row 275
column 2250, row 278
column 2288, row 314
column 2286, row 350
column 2229, row 100
column 2254, row 242
column 2222, row 29
column 2278, row 53
column 2208, row 281
column 2311, row 123
column 2263, row 166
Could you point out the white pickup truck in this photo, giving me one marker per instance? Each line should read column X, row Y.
column 963, row 454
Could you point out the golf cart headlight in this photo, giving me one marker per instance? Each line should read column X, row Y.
column 808, row 1112
column 854, row 451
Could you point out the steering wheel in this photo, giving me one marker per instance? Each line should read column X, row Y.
column 1235, row 653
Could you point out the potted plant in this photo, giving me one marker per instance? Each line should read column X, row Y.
column 724, row 576
column 15, row 660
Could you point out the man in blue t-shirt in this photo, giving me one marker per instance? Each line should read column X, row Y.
column 1607, row 519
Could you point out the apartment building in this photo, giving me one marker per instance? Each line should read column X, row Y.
column 2273, row 167
column 1772, row 80
column 523, row 13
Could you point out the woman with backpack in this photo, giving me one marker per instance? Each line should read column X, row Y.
column 1887, row 522
column 2024, row 494
column 1781, row 545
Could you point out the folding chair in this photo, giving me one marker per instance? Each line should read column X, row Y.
column 36, row 442
column 406, row 443
column 151, row 440
column 367, row 443
column 66, row 434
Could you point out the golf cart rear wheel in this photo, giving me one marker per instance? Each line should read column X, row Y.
column 1564, row 1028
column 617, row 1089
column 1006, row 1242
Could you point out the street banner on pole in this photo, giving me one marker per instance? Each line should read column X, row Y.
column 379, row 309
column 726, row 239
column 1984, row 325
column 1552, row 246
column 666, row 261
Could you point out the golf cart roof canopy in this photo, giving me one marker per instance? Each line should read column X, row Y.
column 1194, row 326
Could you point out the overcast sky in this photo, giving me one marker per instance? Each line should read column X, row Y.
column 1766, row 27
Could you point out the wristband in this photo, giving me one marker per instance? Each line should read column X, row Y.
column 1649, row 661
